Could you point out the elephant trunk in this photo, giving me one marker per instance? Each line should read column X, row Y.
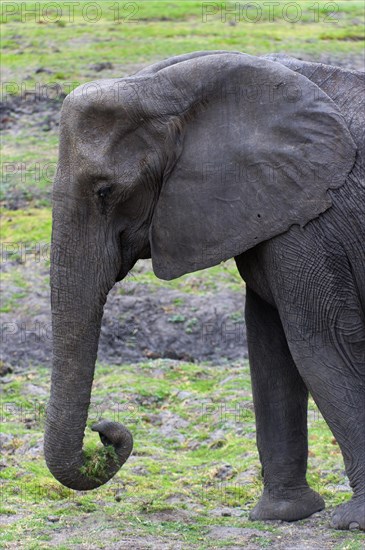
column 77, row 308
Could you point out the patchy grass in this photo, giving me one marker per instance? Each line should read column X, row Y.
column 225, row 274
column 12, row 303
column 31, row 159
column 26, row 226
column 26, row 236
column 194, row 458
column 139, row 32
column 19, row 286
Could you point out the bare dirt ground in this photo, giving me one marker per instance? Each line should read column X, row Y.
column 139, row 323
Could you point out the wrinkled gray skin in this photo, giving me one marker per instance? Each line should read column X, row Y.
column 128, row 187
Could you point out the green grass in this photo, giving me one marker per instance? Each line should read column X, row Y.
column 18, row 282
column 209, row 280
column 26, row 226
column 184, row 463
column 25, row 236
column 96, row 461
column 159, row 29
column 12, row 303
column 32, row 159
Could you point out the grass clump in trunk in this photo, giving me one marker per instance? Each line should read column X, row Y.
column 96, row 462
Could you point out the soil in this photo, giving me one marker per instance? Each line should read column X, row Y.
column 139, row 323
column 20, row 112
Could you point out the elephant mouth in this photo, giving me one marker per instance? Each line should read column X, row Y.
column 121, row 275
column 144, row 254
column 123, row 272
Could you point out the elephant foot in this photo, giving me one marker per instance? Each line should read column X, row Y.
column 287, row 504
column 350, row 515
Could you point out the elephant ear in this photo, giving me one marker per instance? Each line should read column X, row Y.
column 260, row 145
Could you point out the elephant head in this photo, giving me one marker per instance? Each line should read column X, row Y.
column 191, row 162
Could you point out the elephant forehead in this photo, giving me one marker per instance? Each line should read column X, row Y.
column 121, row 99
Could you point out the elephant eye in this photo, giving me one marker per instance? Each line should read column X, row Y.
column 103, row 192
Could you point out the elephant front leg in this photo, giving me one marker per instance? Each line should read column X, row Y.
column 280, row 400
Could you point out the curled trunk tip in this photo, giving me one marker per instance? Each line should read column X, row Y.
column 97, row 466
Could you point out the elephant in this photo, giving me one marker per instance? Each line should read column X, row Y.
column 192, row 161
